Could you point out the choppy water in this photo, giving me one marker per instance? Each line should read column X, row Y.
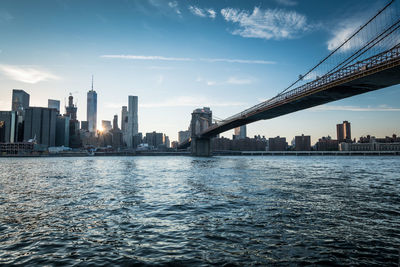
column 191, row 211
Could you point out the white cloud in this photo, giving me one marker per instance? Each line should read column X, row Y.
column 342, row 33
column 211, row 83
column 209, row 12
column 26, row 74
column 382, row 108
column 266, row 24
column 188, row 101
column 235, row 80
column 245, row 61
column 173, row 4
column 162, row 58
column 286, row 2
column 197, row 11
column 147, row 57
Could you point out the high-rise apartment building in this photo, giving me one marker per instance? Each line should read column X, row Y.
column 51, row 103
column 115, row 122
column 91, row 112
column 240, row 132
column 132, row 126
column 154, row 139
column 343, row 131
column 124, row 118
column 106, row 125
column 20, row 100
column 302, row 143
column 183, row 136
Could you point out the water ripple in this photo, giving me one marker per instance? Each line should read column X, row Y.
column 181, row 211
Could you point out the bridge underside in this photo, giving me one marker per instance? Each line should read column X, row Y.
column 358, row 86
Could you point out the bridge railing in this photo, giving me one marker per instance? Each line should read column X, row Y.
column 346, row 72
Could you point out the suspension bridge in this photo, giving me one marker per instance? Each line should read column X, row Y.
column 368, row 60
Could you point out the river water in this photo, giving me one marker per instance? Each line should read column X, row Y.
column 200, row 211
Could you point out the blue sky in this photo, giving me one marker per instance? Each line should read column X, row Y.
column 181, row 55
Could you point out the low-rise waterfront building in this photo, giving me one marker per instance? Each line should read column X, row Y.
column 277, row 144
column 327, row 144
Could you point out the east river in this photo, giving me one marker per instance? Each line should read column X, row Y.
column 200, row 211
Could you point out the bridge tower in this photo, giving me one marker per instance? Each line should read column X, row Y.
column 201, row 120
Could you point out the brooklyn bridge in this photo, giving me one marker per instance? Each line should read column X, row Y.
column 368, row 60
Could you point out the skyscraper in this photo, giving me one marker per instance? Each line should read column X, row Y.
column 132, row 127
column 339, row 132
column 106, row 125
column 115, row 122
column 20, row 100
column 40, row 123
column 51, row 103
column 124, row 118
column 91, row 113
column 343, row 131
column 71, row 109
column 62, row 131
column 347, row 130
column 8, row 126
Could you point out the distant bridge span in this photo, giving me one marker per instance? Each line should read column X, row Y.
column 368, row 75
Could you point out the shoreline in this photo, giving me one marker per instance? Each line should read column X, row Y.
column 216, row 153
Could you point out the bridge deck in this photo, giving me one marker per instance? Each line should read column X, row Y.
column 371, row 74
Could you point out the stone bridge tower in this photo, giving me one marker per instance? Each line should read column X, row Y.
column 201, row 120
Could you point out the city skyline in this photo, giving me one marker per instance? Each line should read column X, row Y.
column 177, row 56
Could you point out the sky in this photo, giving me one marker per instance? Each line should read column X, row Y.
column 177, row 56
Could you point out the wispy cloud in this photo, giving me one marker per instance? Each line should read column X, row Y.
column 266, row 24
column 26, row 74
column 211, row 13
column 211, row 60
column 188, row 101
column 181, row 101
column 286, row 2
column 245, row 61
column 382, row 108
column 235, row 80
column 231, row 80
column 147, row 57
column 159, row 68
column 342, row 33
column 203, row 12
column 5, row 15
column 175, row 7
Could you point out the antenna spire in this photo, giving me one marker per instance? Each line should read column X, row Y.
column 92, row 82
